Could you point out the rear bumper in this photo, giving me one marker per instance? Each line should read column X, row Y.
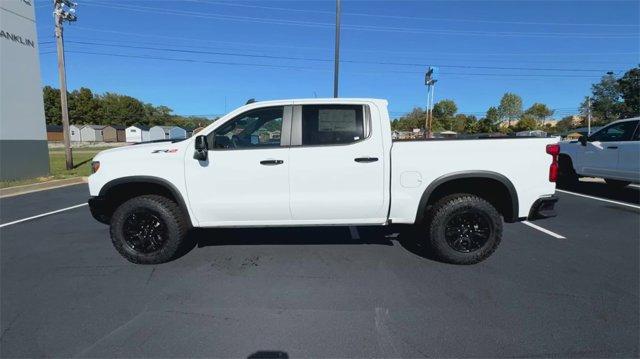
column 543, row 208
column 99, row 209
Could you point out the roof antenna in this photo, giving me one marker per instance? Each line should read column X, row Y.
column 251, row 100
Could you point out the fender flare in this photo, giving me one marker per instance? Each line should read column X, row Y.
column 149, row 179
column 470, row 174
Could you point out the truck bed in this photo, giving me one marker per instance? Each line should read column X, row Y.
column 416, row 164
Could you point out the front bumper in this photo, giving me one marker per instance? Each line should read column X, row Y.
column 543, row 208
column 100, row 210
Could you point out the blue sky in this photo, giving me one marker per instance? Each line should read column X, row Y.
column 224, row 52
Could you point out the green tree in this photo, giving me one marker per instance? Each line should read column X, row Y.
column 527, row 123
column 465, row 124
column 510, row 107
column 539, row 112
column 605, row 100
column 629, row 87
column 84, row 108
column 490, row 122
column 414, row 119
column 52, row 107
column 444, row 112
column 565, row 124
column 121, row 109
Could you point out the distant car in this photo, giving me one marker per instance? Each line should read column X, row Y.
column 612, row 153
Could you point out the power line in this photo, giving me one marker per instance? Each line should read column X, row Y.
column 414, row 17
column 355, row 27
column 329, row 60
column 244, row 44
column 306, row 68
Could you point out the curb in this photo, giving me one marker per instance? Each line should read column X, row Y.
column 43, row 186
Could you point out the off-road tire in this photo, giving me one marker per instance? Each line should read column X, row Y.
column 164, row 209
column 616, row 183
column 444, row 210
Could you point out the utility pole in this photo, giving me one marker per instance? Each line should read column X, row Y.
column 63, row 10
column 430, row 81
column 336, row 60
column 589, row 116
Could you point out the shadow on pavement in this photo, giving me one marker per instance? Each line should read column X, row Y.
column 269, row 354
column 404, row 235
column 627, row 194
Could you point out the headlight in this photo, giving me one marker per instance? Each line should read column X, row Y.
column 95, row 166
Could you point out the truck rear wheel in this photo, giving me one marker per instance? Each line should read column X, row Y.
column 148, row 229
column 464, row 229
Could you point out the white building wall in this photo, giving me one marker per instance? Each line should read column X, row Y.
column 87, row 134
column 133, row 134
column 74, row 133
column 23, row 135
column 177, row 133
column 158, row 133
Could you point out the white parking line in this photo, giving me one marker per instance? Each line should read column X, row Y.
column 354, row 232
column 543, row 230
column 43, row 215
column 599, row 199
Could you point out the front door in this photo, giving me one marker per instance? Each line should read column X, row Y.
column 603, row 149
column 245, row 179
column 336, row 166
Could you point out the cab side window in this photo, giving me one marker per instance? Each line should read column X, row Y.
column 332, row 124
column 259, row 128
column 622, row 131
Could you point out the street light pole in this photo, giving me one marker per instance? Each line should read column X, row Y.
column 589, row 116
column 61, row 14
column 336, row 60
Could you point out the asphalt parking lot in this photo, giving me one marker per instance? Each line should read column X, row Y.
column 321, row 292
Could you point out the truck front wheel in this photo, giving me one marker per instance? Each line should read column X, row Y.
column 148, row 229
column 464, row 229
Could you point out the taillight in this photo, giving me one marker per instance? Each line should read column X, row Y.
column 554, row 151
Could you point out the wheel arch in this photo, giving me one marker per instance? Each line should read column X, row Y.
column 492, row 186
column 116, row 191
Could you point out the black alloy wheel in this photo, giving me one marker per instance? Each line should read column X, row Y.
column 468, row 230
column 144, row 232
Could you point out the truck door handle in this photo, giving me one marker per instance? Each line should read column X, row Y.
column 366, row 159
column 612, row 147
column 271, row 162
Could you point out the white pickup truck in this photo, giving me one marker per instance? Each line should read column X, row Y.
column 612, row 153
column 319, row 162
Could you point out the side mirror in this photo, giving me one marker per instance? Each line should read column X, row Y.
column 583, row 140
column 202, row 149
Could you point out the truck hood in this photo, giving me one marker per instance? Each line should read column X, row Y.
column 142, row 150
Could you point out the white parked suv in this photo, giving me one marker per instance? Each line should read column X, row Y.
column 612, row 153
column 319, row 162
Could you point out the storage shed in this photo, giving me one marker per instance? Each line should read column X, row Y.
column 159, row 133
column 137, row 134
column 196, row 130
column 91, row 133
column 113, row 133
column 54, row 133
column 177, row 133
column 74, row 133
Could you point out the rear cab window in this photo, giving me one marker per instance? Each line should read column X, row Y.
column 332, row 124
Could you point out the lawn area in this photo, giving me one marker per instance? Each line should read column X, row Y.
column 81, row 162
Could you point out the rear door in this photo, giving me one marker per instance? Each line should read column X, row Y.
column 629, row 157
column 336, row 165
